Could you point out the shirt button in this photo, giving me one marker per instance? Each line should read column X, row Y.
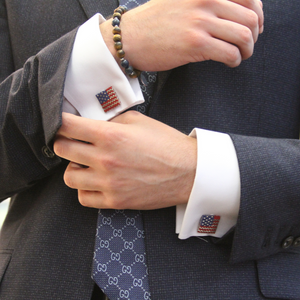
column 297, row 242
column 48, row 152
column 287, row 242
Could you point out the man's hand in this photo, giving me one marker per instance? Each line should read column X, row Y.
column 164, row 34
column 132, row 162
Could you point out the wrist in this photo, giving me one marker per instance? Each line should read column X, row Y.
column 109, row 33
column 118, row 43
column 190, row 163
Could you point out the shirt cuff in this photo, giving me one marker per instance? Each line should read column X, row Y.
column 92, row 69
column 216, row 189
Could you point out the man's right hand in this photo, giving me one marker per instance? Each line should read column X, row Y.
column 164, row 34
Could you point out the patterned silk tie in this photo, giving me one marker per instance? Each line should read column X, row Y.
column 119, row 265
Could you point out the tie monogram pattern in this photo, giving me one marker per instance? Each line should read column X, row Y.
column 132, row 3
column 147, row 82
column 120, row 259
column 119, row 264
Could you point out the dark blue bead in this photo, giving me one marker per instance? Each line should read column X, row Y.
column 129, row 70
column 115, row 22
column 124, row 63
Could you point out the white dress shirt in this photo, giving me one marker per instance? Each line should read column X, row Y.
column 216, row 189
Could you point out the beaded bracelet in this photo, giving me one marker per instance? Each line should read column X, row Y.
column 129, row 70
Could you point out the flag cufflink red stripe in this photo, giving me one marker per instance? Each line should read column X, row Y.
column 108, row 99
column 208, row 224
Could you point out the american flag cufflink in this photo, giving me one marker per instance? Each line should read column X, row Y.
column 208, row 224
column 108, row 99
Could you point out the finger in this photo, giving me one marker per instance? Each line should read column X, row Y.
column 92, row 199
column 79, row 128
column 221, row 51
column 73, row 150
column 242, row 15
column 261, row 29
column 256, row 6
column 235, row 34
column 261, row 26
column 78, row 177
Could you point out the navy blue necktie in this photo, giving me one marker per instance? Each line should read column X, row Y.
column 119, row 264
column 119, row 267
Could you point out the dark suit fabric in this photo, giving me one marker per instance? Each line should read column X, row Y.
column 46, row 243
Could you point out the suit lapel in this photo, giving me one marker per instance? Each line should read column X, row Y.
column 92, row 7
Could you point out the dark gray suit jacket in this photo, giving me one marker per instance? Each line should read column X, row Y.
column 46, row 243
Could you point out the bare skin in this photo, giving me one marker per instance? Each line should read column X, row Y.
column 135, row 162
column 161, row 35
column 129, row 160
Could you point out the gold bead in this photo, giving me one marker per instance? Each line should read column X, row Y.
column 121, row 53
column 118, row 45
column 135, row 74
column 117, row 38
column 118, row 10
column 116, row 30
column 117, row 15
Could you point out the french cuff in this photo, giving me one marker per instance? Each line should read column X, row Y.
column 214, row 201
column 92, row 71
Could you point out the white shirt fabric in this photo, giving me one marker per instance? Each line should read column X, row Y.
column 216, row 189
column 91, row 70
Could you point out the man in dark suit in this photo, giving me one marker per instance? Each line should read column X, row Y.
column 47, row 240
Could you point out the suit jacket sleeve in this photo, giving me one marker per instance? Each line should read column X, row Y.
column 30, row 111
column 270, row 197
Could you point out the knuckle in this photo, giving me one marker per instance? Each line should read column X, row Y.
column 252, row 19
column 233, row 56
column 206, row 3
column 210, row 3
column 58, row 148
column 248, row 53
column 108, row 163
column 246, row 36
column 194, row 40
column 68, row 179
column 82, row 198
column 249, row 3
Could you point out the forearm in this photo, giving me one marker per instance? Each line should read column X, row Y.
column 196, row 31
column 30, row 115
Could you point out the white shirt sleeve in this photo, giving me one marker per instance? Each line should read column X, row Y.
column 92, row 69
column 216, row 189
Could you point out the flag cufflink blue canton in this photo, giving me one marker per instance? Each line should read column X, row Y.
column 108, row 99
column 208, row 224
